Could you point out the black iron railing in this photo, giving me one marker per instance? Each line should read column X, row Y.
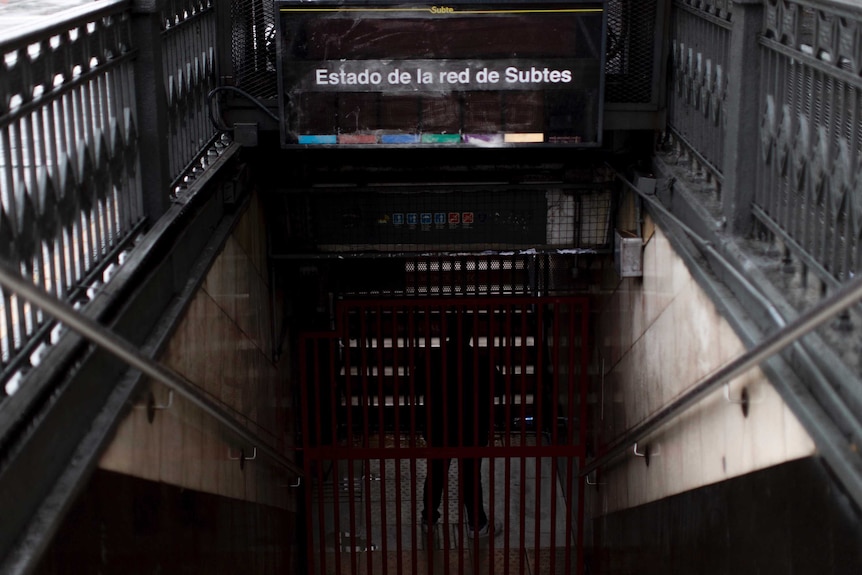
column 80, row 175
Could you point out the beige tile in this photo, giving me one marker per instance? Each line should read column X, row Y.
column 212, row 457
column 224, row 371
column 237, row 263
column 625, row 320
column 681, row 279
column 690, row 431
column 667, row 465
column 664, row 270
column 245, row 296
column 146, row 444
column 649, row 285
column 681, row 368
column 638, row 392
column 214, row 282
column 244, row 229
column 119, row 454
column 705, row 344
column 730, row 345
column 257, row 325
column 735, row 430
column 258, row 249
column 715, row 414
column 250, row 234
column 746, row 455
column 266, row 481
column 250, row 477
column 639, row 325
column 629, row 391
column 612, row 350
column 692, row 362
column 766, row 415
column 664, row 336
column 636, row 470
column 797, row 441
column 653, row 372
column 195, row 335
column 193, row 448
column 208, row 352
column 223, row 469
column 617, row 484
column 172, row 448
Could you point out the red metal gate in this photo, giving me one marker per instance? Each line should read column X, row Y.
column 402, row 387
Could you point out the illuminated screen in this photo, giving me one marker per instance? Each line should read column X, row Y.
column 464, row 74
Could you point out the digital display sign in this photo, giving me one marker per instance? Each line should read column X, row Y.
column 488, row 74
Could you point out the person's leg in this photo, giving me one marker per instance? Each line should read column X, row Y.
column 472, row 492
column 433, row 490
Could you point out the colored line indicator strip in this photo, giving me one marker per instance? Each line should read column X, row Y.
column 357, row 139
column 483, row 139
column 441, row 138
column 399, row 139
column 318, row 139
column 525, row 138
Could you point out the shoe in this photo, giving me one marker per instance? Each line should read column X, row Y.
column 426, row 526
column 486, row 531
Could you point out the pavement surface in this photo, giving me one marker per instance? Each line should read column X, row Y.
column 15, row 14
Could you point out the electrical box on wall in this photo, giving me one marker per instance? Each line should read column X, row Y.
column 628, row 254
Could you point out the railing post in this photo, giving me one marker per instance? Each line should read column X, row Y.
column 152, row 107
column 741, row 131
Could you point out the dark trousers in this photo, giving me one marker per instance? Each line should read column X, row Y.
column 471, row 491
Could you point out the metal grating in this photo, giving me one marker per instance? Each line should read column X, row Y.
column 253, row 47
column 449, row 219
column 445, row 275
column 470, row 275
column 630, row 51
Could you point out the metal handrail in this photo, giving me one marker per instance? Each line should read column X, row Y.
column 844, row 297
column 126, row 352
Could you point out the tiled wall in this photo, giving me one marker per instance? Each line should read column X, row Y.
column 658, row 336
column 224, row 345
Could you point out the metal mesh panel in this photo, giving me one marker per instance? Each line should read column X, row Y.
column 445, row 220
column 470, row 275
column 253, row 47
column 630, row 51
column 453, row 275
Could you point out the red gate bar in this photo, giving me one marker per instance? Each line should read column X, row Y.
column 511, row 368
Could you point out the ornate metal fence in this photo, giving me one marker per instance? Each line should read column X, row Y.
column 700, row 33
column 808, row 183
column 77, row 153
column 765, row 98
column 189, row 48
column 69, row 194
